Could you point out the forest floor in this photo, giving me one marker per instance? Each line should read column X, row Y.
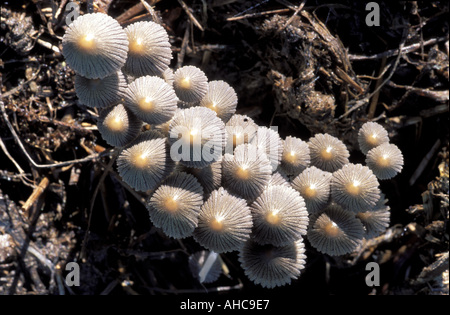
column 303, row 66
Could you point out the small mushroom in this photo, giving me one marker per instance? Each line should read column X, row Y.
column 327, row 152
column 151, row 99
column 145, row 162
column 149, row 50
column 271, row 266
column 385, row 160
column 175, row 205
column 371, row 135
column 279, row 216
column 313, row 184
column 190, row 84
column 247, row 172
column 221, row 98
column 335, row 231
column 355, row 187
column 296, row 157
column 95, row 45
column 101, row 93
column 224, row 223
column 118, row 125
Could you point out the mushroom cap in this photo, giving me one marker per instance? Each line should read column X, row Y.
column 95, row 45
column 355, row 187
column 247, row 172
column 151, row 99
column 210, row 176
column 175, row 205
column 145, row 162
column 279, row 216
column 190, row 84
column 296, row 157
column 101, row 93
column 313, row 184
column 118, row 125
column 149, row 50
column 327, row 152
column 377, row 219
column 371, row 135
column 385, row 160
column 335, row 231
column 221, row 98
column 271, row 266
column 269, row 141
column 224, row 223
column 240, row 129
column 197, row 137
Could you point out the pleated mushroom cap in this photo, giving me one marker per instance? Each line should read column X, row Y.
column 335, row 231
column 197, row 137
column 278, row 178
column 190, row 84
column 95, row 45
column 296, row 157
column 247, row 172
column 151, row 99
column 279, row 216
column 118, row 125
column 271, row 266
column 385, row 160
column 224, row 223
column 210, row 176
column 371, row 135
column 145, row 162
column 101, row 93
column 377, row 220
column 149, row 50
column 327, row 152
column 240, row 129
column 355, row 187
column 221, row 98
column 313, row 184
column 269, row 141
column 175, row 205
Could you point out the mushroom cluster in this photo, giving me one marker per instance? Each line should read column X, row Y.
column 214, row 175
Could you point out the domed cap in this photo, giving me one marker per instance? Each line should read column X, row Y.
column 175, row 205
column 269, row 141
column 327, row 152
column 376, row 220
column 190, row 83
column 355, row 187
column 118, row 126
column 197, row 137
column 224, row 223
column 101, row 93
column 335, row 231
column 279, row 216
column 151, row 99
column 149, row 50
column 247, row 172
column 313, row 184
column 221, row 98
column 296, row 157
column 371, row 135
column 95, row 45
column 385, row 160
column 271, row 266
column 145, row 162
